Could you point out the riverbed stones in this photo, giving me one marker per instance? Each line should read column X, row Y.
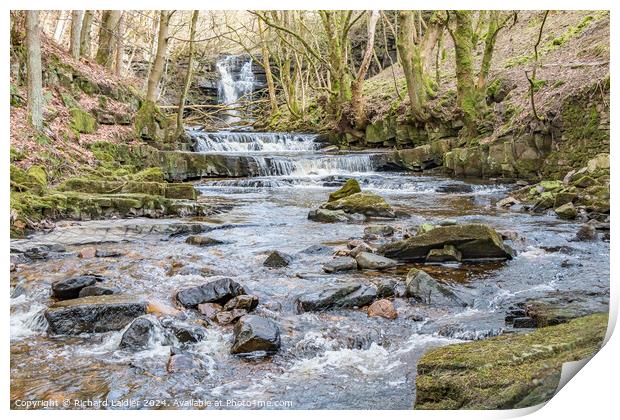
column 448, row 253
column 278, row 259
column 365, row 203
column 340, row 264
column 93, row 314
column 473, row 241
column 425, row 289
column 351, row 186
column 586, row 232
column 246, row 302
column 341, row 296
column 70, row 288
column 210, row 310
column 362, row 247
column 99, row 290
column 566, row 211
column 201, row 240
column 382, row 308
column 386, row 288
column 254, row 334
column 139, row 334
column 184, row 332
column 217, row 291
column 328, row 216
column 367, row 260
column 374, row 231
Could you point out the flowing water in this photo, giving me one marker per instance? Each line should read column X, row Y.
column 332, row 359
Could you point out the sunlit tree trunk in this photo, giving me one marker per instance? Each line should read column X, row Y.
column 157, row 69
column 107, row 31
column 35, row 83
column 188, row 75
column 60, row 25
column 357, row 103
column 85, row 34
column 76, row 29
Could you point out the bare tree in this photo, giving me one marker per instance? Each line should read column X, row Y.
column 85, row 34
column 119, row 47
column 188, row 75
column 76, row 29
column 107, row 31
column 160, row 57
column 35, row 83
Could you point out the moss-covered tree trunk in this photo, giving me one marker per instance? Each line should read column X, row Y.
column 413, row 67
column 489, row 46
column 107, row 31
column 35, row 78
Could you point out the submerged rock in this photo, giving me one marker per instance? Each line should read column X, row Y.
column 70, row 288
column 218, row 291
column 366, row 203
column 93, row 314
column 278, row 259
column 256, row 334
column 587, row 232
column 366, row 260
column 182, row 362
column 383, row 308
column 500, row 372
column 139, row 334
column 472, row 241
column 340, row 264
column 455, row 188
column 425, row 289
column 202, row 240
column 351, row 186
column 343, row 296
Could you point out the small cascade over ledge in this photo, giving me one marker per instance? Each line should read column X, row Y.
column 232, row 141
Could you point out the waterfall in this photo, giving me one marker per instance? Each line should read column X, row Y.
column 234, row 85
column 230, row 141
column 320, row 166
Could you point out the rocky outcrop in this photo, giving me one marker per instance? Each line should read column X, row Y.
column 503, row 372
column 422, row 157
column 473, row 241
column 93, row 314
column 254, row 334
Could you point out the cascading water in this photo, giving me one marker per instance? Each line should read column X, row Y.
column 230, row 141
column 234, row 86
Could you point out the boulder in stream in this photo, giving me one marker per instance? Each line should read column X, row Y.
column 365, row 203
column 139, row 334
column 93, row 314
column 328, row 216
column 448, row 253
column 367, row 260
column 256, row 334
column 70, row 288
column 473, row 241
column 201, row 240
column 425, row 289
column 247, row 302
column 382, row 308
column 340, row 264
column 341, row 296
column 351, row 186
column 98, row 290
column 278, row 259
column 217, row 291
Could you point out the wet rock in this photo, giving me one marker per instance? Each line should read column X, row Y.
column 328, row 216
column 184, row 332
column 340, row 264
column 351, row 186
column 448, row 253
column 182, row 362
column 278, row 259
column 473, row 241
column 454, row 188
column 256, row 334
column 102, row 253
column 425, row 289
column 507, row 202
column 228, row 317
column 97, row 290
column 365, row 203
column 386, row 288
column 524, row 322
column 88, row 252
column 342, row 296
column 510, row 235
column 317, row 250
column 17, row 291
column 566, row 211
column 218, row 291
column 383, row 308
column 40, row 251
column 201, row 240
column 363, row 247
column 587, row 232
column 366, row 260
column 70, row 288
column 378, row 230
column 93, row 314
column 139, row 334
column 210, row 310
column 247, row 302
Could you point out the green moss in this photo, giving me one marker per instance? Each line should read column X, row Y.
column 351, row 186
column 150, row 123
column 69, row 100
column 150, row 174
column 82, row 121
column 509, row 371
column 16, row 155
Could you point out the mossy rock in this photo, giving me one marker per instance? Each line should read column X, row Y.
column 151, row 123
column 69, row 101
column 508, row 371
column 584, row 182
column 349, row 187
column 183, row 191
column 564, row 197
column 150, row 174
column 551, row 185
column 566, row 211
column 366, row 203
column 82, row 121
column 34, row 179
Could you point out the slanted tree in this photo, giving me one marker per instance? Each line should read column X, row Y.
column 107, row 32
column 76, row 29
column 119, row 47
column 188, row 74
column 85, row 34
column 35, row 82
column 157, row 69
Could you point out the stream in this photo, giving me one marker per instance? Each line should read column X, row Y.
column 336, row 359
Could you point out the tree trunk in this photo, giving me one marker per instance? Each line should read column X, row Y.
column 267, row 67
column 160, row 57
column 357, row 104
column 413, row 67
column 76, row 29
column 107, row 30
column 35, row 83
column 188, row 75
column 489, row 45
column 119, row 48
column 85, row 34
column 60, row 26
